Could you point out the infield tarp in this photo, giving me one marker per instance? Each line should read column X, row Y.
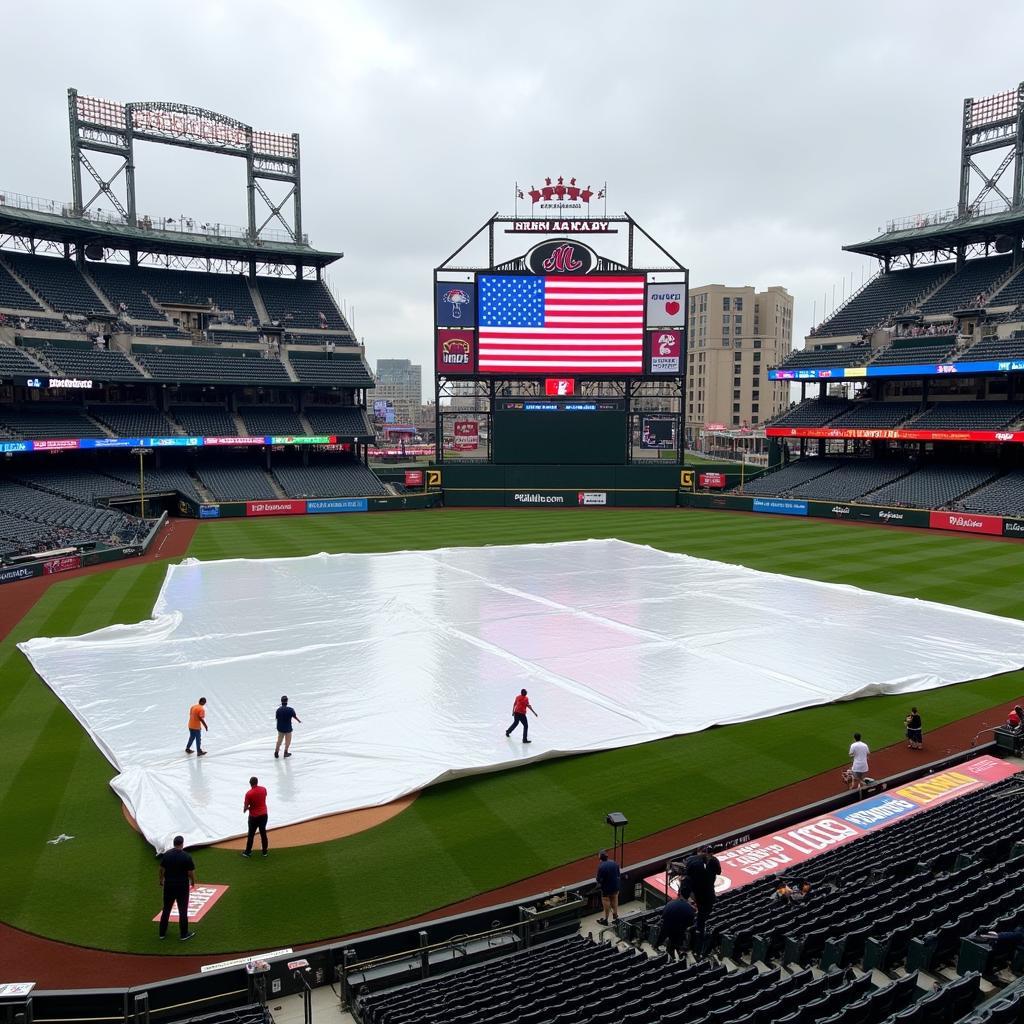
column 403, row 667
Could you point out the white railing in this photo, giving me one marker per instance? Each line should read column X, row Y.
column 937, row 217
column 178, row 225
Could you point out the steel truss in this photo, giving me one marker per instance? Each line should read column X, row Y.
column 989, row 125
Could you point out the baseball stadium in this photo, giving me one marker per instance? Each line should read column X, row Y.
column 197, row 500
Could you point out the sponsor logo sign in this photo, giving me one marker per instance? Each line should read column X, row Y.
column 666, row 350
column 1013, row 527
column 69, row 384
column 15, row 446
column 559, row 386
column 592, row 498
column 780, row 506
column 209, row 511
column 233, row 440
column 879, row 434
column 561, row 256
column 289, row 439
column 64, row 564
column 467, row 435
column 244, row 961
column 840, row 510
column 201, row 900
column 454, row 351
column 456, row 304
column 712, row 480
column 110, row 442
column 336, row 505
column 53, row 444
column 414, row 478
column 433, row 478
column 536, row 498
column 171, row 442
column 558, row 196
column 19, row 572
column 966, row 522
column 568, row 227
column 275, row 508
column 686, row 479
column 666, row 305
column 783, row 850
column 714, row 426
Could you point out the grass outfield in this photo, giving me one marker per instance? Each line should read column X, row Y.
column 463, row 837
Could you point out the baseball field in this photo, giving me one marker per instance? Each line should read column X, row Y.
column 470, row 836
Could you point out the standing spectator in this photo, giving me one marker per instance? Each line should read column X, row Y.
column 677, row 918
column 699, row 882
column 519, row 708
column 196, row 725
column 285, row 716
column 255, row 805
column 859, row 768
column 609, row 881
column 915, row 733
column 177, row 877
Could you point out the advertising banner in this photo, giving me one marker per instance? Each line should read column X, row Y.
column 64, row 564
column 466, row 435
column 868, row 513
column 592, row 498
column 869, row 434
column 414, row 478
column 966, row 522
column 15, row 446
column 712, row 480
column 296, row 439
column 912, row 370
column 454, row 351
column 171, row 442
column 315, row 507
column 49, row 444
column 785, row 849
column 209, row 511
column 540, row 497
column 1013, row 528
column 233, row 441
column 658, row 432
column 111, row 442
column 275, row 508
column 456, row 304
column 780, row 506
column 201, row 899
column 13, row 573
column 665, row 351
column 666, row 305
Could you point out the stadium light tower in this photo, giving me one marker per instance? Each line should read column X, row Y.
column 992, row 123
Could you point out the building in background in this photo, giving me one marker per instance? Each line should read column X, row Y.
column 400, row 382
column 735, row 334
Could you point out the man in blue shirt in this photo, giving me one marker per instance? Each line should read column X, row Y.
column 609, row 883
column 677, row 918
column 285, row 716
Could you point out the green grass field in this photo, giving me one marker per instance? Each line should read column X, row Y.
column 463, row 837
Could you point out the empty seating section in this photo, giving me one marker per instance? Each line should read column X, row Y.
column 175, row 288
column 851, row 480
column 270, row 420
column 126, row 286
column 317, row 338
column 344, row 371
column 300, row 304
column 852, row 355
column 236, row 366
column 911, row 351
column 814, row 412
column 13, row 362
column 995, row 348
column 328, row 479
column 12, row 295
column 82, row 360
column 1004, row 496
column 341, row 421
column 931, row 487
column 221, row 336
column 45, row 323
column 234, row 479
column 59, row 282
column 782, row 480
column 125, row 480
column 882, row 299
column 968, row 416
column 81, row 485
column 132, row 420
column 204, row 420
column 48, row 422
column 877, row 415
column 967, row 288
column 1011, row 293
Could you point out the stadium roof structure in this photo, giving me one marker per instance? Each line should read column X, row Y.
column 51, row 222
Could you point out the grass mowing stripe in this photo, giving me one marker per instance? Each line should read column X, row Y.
column 475, row 833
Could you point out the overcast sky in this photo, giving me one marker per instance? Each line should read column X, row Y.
column 752, row 139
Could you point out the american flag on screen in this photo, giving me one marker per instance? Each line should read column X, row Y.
column 571, row 324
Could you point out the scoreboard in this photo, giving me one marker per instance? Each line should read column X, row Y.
column 547, row 432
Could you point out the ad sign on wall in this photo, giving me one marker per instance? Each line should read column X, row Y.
column 456, row 304
column 454, row 351
column 666, row 351
column 467, row 435
column 666, row 305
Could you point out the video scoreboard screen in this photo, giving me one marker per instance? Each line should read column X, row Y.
column 545, row 432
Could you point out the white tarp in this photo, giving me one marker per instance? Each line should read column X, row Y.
column 403, row 667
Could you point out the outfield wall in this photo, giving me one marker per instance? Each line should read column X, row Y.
column 191, row 509
column 958, row 522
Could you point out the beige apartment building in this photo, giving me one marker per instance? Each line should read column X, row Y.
column 735, row 335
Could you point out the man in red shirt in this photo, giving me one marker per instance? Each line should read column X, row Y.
column 256, row 806
column 519, row 708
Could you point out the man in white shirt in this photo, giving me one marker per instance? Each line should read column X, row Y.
column 859, row 769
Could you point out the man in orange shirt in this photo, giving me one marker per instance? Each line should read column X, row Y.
column 519, row 708
column 196, row 725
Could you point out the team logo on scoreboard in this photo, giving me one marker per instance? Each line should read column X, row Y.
column 456, row 304
column 559, row 386
column 561, row 256
column 454, row 351
column 666, row 305
column 666, row 350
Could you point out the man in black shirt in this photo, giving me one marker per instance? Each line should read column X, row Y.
column 285, row 716
column 677, row 919
column 699, row 882
column 177, row 876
